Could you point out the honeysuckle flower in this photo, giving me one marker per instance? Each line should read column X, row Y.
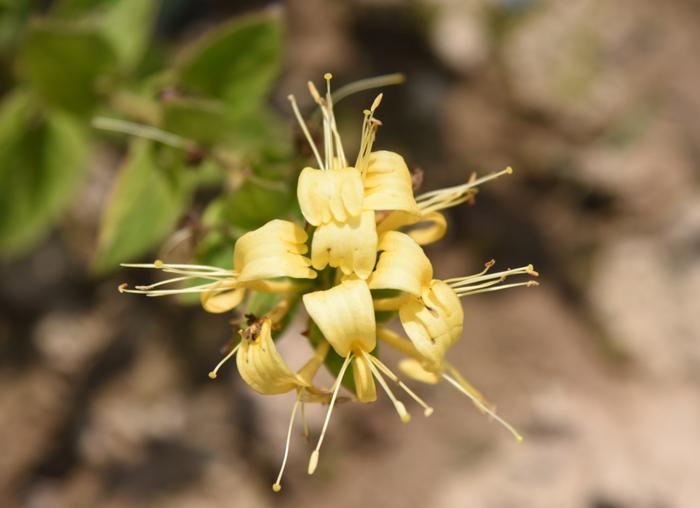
column 260, row 258
column 262, row 367
column 345, row 316
column 340, row 200
column 365, row 229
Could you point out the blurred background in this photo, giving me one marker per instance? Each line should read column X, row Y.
column 135, row 128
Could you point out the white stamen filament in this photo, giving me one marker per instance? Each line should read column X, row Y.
column 215, row 371
column 427, row 410
column 305, row 130
column 313, row 460
column 277, row 486
column 398, row 405
column 186, row 272
column 483, row 407
column 452, row 196
column 473, row 291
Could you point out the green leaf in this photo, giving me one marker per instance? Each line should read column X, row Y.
column 128, row 25
column 144, row 207
column 42, row 162
column 257, row 201
column 238, row 62
column 65, row 64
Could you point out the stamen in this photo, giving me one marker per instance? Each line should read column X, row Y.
column 331, row 116
column 427, row 410
column 215, row 371
column 327, row 135
column 277, row 486
column 305, row 130
column 376, row 103
column 313, row 460
column 398, row 405
column 484, row 408
column 452, row 196
column 481, row 276
column 467, row 291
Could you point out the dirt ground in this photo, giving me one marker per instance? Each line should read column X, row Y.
column 105, row 400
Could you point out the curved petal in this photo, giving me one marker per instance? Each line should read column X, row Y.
column 402, row 265
column 259, row 363
column 350, row 246
column 332, row 194
column 222, row 297
column 429, row 229
column 345, row 316
column 365, row 389
column 433, row 322
column 273, row 250
column 413, row 369
column 388, row 183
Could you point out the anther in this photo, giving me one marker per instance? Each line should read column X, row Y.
column 122, row 287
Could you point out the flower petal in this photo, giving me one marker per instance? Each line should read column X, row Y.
column 345, row 316
column 433, row 322
column 350, row 246
column 413, row 369
column 402, row 265
column 222, row 297
column 260, row 365
column 388, row 183
column 365, row 389
column 329, row 194
column 273, row 250
column 429, row 228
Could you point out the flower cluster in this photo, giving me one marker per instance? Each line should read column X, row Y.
column 359, row 254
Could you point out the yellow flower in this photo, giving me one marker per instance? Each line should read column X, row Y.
column 340, row 200
column 262, row 367
column 345, row 316
column 261, row 256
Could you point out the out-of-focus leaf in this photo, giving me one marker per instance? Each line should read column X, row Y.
column 237, row 62
column 206, row 122
column 144, row 207
column 128, row 25
column 64, row 63
column 42, row 160
column 255, row 202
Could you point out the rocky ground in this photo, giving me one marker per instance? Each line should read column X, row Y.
column 104, row 398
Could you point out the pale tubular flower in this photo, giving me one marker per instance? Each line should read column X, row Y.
column 430, row 223
column 345, row 316
column 402, row 265
column 265, row 371
column 350, row 245
column 274, row 250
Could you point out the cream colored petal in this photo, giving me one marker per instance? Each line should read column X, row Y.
column 413, row 369
column 332, row 194
column 223, row 297
column 402, row 265
column 388, row 183
column 345, row 316
column 428, row 228
column 261, row 366
column 273, row 250
column 434, row 322
column 431, row 228
column 350, row 246
column 365, row 389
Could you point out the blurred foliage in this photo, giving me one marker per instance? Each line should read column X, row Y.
column 200, row 133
